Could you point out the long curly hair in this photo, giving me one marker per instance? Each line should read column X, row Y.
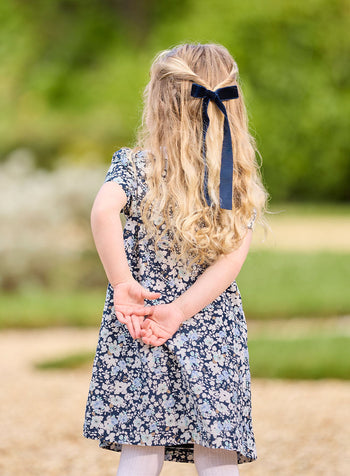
column 174, row 209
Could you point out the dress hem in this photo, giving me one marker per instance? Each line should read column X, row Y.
column 178, row 453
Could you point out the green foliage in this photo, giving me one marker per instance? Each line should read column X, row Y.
column 72, row 361
column 272, row 284
column 73, row 72
column 310, row 358
column 39, row 308
column 286, row 284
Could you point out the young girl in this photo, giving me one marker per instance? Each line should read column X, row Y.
column 171, row 378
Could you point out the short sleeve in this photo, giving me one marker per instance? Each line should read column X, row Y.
column 121, row 171
column 252, row 220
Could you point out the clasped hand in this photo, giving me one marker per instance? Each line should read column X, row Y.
column 153, row 324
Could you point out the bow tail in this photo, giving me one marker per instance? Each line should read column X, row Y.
column 206, row 121
column 226, row 171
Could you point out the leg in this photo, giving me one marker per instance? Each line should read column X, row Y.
column 137, row 460
column 215, row 461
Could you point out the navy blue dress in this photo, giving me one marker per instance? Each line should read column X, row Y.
column 196, row 387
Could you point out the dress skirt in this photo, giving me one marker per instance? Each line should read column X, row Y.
column 195, row 388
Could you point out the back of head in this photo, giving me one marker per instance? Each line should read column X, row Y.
column 172, row 134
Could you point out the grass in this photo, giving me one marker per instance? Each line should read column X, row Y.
column 46, row 308
column 288, row 284
column 308, row 358
column 273, row 284
column 341, row 209
column 314, row 357
column 71, row 361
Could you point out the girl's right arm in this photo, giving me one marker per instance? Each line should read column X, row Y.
column 215, row 279
column 167, row 318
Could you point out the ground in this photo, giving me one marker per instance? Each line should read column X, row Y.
column 301, row 427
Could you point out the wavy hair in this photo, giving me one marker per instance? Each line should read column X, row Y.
column 174, row 210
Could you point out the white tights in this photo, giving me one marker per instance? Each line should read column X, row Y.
column 148, row 461
column 136, row 460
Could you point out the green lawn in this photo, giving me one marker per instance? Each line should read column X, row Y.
column 307, row 358
column 70, row 361
column 312, row 208
column 45, row 308
column 314, row 357
column 273, row 284
column 286, row 284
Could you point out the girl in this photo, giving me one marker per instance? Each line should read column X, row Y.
column 171, row 378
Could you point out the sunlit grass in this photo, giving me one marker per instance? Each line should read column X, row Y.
column 286, row 284
column 273, row 284
column 45, row 308
column 314, row 357
column 70, row 361
column 307, row 358
column 310, row 208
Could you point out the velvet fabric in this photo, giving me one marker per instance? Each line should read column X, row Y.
column 226, row 170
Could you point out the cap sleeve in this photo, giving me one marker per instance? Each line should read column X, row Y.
column 121, row 171
column 252, row 220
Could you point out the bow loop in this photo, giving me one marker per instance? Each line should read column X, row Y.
column 230, row 92
column 226, row 170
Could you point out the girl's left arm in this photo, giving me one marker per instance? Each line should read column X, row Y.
column 107, row 232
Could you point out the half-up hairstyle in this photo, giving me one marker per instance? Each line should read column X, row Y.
column 171, row 134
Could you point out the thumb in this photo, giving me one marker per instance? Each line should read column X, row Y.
column 150, row 295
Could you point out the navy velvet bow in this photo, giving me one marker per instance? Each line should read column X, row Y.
column 226, row 171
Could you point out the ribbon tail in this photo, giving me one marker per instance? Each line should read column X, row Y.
column 206, row 121
column 226, row 171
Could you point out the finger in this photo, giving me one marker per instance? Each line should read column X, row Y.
column 147, row 336
column 130, row 327
column 150, row 295
column 146, row 333
column 156, row 341
column 121, row 318
column 127, row 309
column 162, row 340
column 143, row 332
column 137, row 310
column 136, row 323
column 146, row 324
column 158, row 331
column 146, row 339
column 149, row 310
column 144, row 311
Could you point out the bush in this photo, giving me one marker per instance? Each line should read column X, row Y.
column 46, row 238
column 84, row 77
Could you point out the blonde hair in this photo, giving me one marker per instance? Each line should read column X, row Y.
column 174, row 207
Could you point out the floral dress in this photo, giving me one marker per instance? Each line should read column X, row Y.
column 195, row 388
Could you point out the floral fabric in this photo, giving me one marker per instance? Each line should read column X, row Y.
column 196, row 387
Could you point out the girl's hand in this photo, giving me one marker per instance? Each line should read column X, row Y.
column 162, row 324
column 129, row 305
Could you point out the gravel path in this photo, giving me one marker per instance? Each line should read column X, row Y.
column 301, row 428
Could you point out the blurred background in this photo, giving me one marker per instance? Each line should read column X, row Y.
column 72, row 75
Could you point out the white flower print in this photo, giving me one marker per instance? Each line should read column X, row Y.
column 193, row 388
column 170, row 420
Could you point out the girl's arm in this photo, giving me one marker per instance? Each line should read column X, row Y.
column 167, row 318
column 215, row 279
column 107, row 232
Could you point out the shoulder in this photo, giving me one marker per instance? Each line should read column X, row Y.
column 121, row 170
column 122, row 156
column 129, row 156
